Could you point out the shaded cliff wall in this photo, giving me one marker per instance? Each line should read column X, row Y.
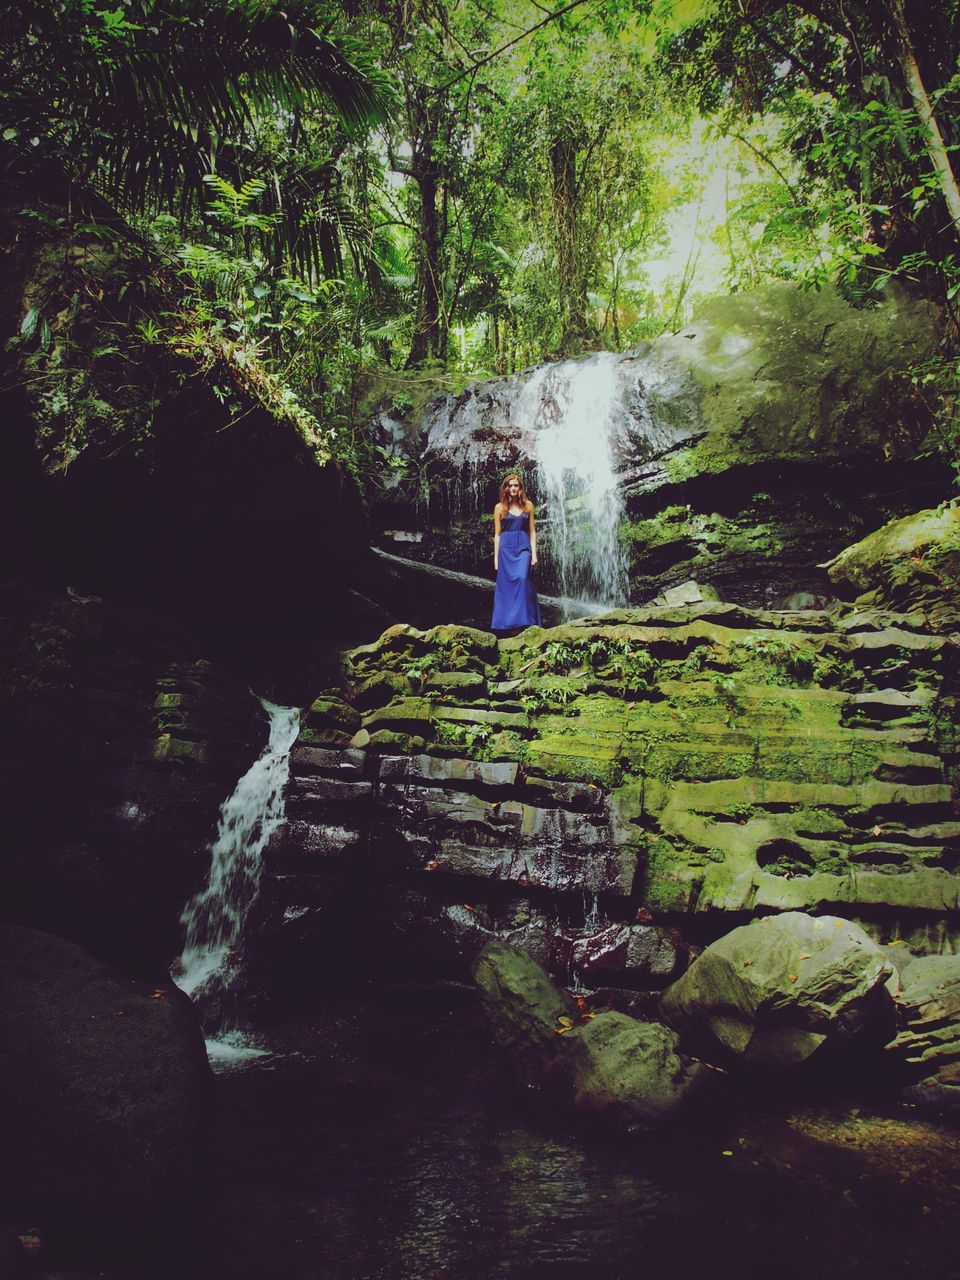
column 149, row 469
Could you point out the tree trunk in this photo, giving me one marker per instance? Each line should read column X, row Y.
column 429, row 338
column 939, row 156
column 573, row 296
column 427, row 320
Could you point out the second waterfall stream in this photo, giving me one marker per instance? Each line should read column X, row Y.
column 215, row 916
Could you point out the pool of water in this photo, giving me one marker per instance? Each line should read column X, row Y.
column 391, row 1145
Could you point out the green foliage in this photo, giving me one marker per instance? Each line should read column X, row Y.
column 847, row 155
column 782, row 659
column 547, row 695
column 618, row 659
column 516, row 201
column 474, row 739
column 93, row 85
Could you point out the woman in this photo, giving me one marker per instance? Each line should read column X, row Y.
column 515, row 603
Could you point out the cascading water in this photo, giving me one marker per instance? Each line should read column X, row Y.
column 215, row 916
column 577, row 407
column 566, row 427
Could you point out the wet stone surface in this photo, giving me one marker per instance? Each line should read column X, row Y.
column 680, row 766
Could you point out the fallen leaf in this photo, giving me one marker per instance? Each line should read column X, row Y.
column 899, row 943
column 746, row 962
column 792, row 977
column 805, row 955
column 726, row 1153
column 565, row 1022
column 878, row 830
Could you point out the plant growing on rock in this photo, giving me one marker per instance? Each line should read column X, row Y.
column 782, row 660
column 548, row 695
column 474, row 739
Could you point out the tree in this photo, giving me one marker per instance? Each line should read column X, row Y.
column 142, row 100
column 854, row 90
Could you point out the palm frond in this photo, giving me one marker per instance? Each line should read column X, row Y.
column 142, row 120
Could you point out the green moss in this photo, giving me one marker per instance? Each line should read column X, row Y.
column 669, row 883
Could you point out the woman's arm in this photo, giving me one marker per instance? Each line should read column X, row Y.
column 496, row 537
column 533, row 537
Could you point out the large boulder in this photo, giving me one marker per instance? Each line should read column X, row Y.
column 629, row 1071
column 606, row 1064
column 927, row 1046
column 771, row 994
column 523, row 1008
column 103, row 1085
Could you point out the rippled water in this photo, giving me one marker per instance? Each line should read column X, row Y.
column 391, row 1146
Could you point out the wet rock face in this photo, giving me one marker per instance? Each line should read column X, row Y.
column 607, row 793
column 771, row 994
column 720, row 435
column 103, row 1088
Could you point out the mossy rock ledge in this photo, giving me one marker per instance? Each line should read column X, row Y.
column 613, row 793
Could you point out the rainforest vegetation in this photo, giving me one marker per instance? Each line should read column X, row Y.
column 281, row 282
column 411, row 193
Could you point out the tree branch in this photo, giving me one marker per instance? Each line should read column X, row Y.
column 557, row 13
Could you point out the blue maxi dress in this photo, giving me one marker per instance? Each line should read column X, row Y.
column 515, row 602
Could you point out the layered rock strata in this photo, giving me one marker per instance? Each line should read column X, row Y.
column 612, row 792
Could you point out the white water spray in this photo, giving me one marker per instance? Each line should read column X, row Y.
column 577, row 409
column 215, row 916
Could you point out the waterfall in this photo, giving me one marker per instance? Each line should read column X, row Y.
column 215, row 916
column 577, row 410
column 575, row 430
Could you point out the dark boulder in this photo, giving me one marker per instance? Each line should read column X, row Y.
column 607, row 1065
column 103, row 1083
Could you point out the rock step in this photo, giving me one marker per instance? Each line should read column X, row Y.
column 328, row 795
column 299, row 842
column 308, row 760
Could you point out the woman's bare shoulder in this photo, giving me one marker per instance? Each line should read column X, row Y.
column 499, row 509
column 530, row 507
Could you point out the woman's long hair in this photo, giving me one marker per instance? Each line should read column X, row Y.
column 522, row 500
